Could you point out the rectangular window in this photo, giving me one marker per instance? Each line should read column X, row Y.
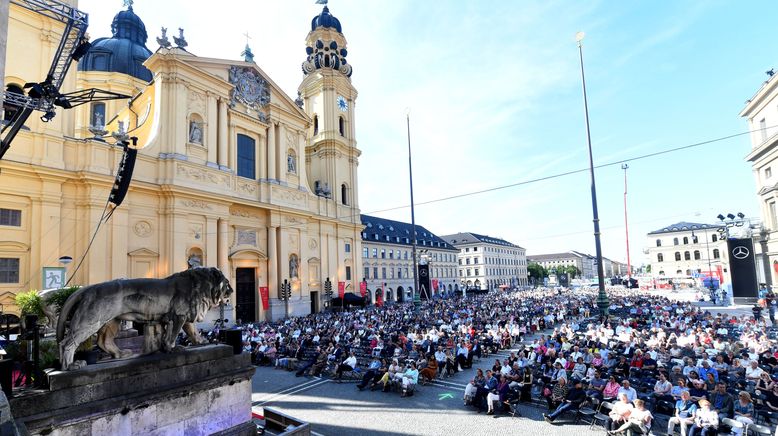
column 406, row 255
column 10, row 217
column 375, row 253
column 468, row 272
column 9, row 270
column 768, row 172
column 475, row 261
column 375, row 272
column 399, row 273
column 391, row 273
column 773, row 217
column 475, row 248
column 467, row 249
column 467, row 261
column 348, row 273
column 348, row 247
column 367, row 272
column 407, row 272
column 476, row 271
column 763, row 129
column 97, row 119
column 383, row 253
column 391, row 254
column 246, row 157
column 365, row 252
column 383, row 273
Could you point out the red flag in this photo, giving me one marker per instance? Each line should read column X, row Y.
column 380, row 299
column 265, row 294
column 341, row 289
column 363, row 288
column 435, row 285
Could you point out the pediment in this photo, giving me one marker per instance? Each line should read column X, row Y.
column 247, row 254
column 143, row 252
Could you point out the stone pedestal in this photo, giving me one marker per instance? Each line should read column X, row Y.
column 200, row 391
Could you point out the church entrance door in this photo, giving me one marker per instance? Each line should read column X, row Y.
column 245, row 295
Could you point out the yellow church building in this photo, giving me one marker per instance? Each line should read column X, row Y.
column 231, row 172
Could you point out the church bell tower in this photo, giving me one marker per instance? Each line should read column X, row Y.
column 328, row 98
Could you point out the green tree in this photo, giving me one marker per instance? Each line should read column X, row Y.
column 536, row 271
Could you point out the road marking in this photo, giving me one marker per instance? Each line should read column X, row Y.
column 445, row 396
column 284, row 395
column 291, row 388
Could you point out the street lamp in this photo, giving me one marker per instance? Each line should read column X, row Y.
column 602, row 297
column 707, row 248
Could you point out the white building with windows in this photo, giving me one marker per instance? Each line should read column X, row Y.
column 583, row 262
column 688, row 250
column 387, row 258
column 761, row 111
column 487, row 263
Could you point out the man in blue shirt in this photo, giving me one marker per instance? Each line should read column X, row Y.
column 707, row 369
column 684, row 414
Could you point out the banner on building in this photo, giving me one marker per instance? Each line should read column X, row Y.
column 424, row 281
column 264, row 293
column 435, row 285
column 743, row 269
column 363, row 288
column 341, row 289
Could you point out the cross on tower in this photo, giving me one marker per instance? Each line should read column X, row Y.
column 128, row 3
column 245, row 34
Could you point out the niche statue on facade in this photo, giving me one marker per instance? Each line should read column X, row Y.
column 291, row 163
column 195, row 132
column 293, row 266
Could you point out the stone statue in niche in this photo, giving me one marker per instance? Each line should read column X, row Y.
column 194, row 261
column 195, row 132
column 294, row 264
column 291, row 163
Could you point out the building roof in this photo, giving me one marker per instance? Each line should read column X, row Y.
column 398, row 231
column 474, row 238
column 553, row 256
column 682, row 226
column 124, row 52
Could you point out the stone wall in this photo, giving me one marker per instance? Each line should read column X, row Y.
column 200, row 391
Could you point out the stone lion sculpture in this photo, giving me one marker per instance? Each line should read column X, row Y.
column 174, row 303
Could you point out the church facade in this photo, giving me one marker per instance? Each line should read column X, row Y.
column 231, row 172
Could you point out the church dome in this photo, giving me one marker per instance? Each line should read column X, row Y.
column 325, row 19
column 124, row 52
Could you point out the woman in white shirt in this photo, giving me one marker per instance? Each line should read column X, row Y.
column 706, row 421
column 639, row 421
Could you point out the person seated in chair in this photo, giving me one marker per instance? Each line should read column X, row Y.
column 472, row 388
column 557, row 394
column 428, row 373
column 370, row 374
column 722, row 402
column 347, row 365
column 685, row 409
column 706, row 420
column 619, row 413
column 498, row 394
column 639, row 421
column 573, row 400
column 409, row 379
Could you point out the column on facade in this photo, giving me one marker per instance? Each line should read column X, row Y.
column 281, row 152
column 272, row 268
column 180, row 122
column 211, row 251
column 223, row 244
column 302, row 169
column 271, row 151
column 223, row 132
column 211, row 127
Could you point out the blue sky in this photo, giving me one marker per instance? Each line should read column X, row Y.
column 494, row 92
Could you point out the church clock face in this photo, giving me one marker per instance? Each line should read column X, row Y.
column 342, row 104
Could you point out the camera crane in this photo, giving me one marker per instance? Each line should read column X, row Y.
column 44, row 96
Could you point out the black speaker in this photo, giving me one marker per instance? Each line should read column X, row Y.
column 6, row 371
column 123, row 176
column 742, row 266
column 232, row 337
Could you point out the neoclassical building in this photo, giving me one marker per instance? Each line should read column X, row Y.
column 487, row 263
column 231, row 172
column 687, row 250
column 387, row 259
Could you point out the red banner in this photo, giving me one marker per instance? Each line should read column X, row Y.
column 265, row 295
column 363, row 288
column 435, row 285
column 341, row 289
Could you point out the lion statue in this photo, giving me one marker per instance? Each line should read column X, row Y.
column 174, row 303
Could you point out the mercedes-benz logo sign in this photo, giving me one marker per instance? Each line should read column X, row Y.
column 740, row 252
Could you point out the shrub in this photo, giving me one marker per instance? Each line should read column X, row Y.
column 30, row 303
column 59, row 297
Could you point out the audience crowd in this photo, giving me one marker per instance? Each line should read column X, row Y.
column 708, row 373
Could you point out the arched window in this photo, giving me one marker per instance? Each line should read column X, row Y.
column 315, row 125
column 658, row 242
column 344, row 194
column 675, row 241
column 685, row 240
column 341, row 126
column 687, row 255
column 660, row 257
column 715, row 237
column 677, row 255
column 716, row 253
column 696, row 254
column 10, row 110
